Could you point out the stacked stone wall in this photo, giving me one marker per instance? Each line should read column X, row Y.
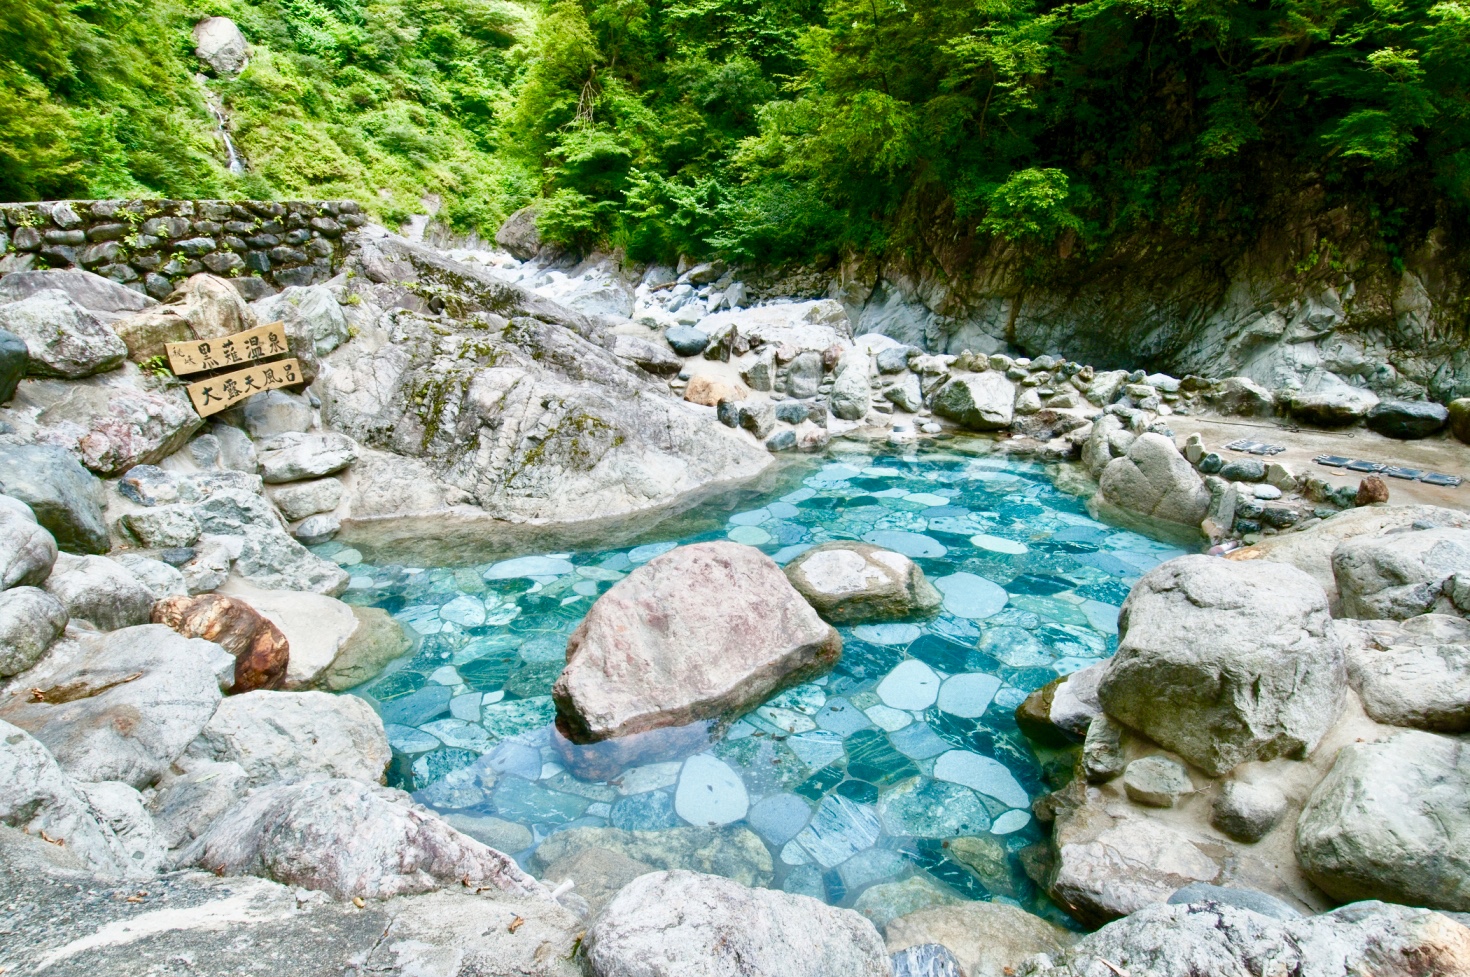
column 152, row 245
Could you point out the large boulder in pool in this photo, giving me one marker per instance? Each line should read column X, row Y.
column 850, row 582
column 699, row 632
column 1225, row 662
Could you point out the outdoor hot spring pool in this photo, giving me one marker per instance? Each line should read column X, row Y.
column 903, row 765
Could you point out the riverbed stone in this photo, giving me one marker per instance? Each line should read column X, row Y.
column 989, row 939
column 1245, row 811
column 291, row 736
column 1412, row 673
column 1155, row 781
column 122, row 705
column 978, row 402
column 65, row 498
column 1224, row 662
column 62, row 339
column 887, row 901
column 680, row 924
column 1407, row 420
column 1389, row 822
column 751, row 631
column 377, row 640
column 730, row 852
column 1155, row 481
column 1400, row 575
column 27, row 550
column 852, row 582
column 710, row 792
column 352, row 840
column 30, row 620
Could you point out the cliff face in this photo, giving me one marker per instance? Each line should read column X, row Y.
column 1312, row 292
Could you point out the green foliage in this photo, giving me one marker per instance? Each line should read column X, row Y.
column 765, row 130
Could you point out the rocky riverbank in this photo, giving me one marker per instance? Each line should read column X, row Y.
column 1279, row 733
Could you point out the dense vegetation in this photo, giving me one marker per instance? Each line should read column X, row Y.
column 767, row 129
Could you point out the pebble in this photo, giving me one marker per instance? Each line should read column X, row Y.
column 817, row 749
column 912, row 685
column 465, row 611
column 752, row 518
column 996, row 544
column 642, row 554
column 887, row 634
column 839, row 830
column 710, row 792
column 529, row 566
column 407, row 739
column 1010, row 822
column 466, row 707
column 653, row 776
column 460, row 734
column 887, row 718
column 749, row 535
column 779, row 817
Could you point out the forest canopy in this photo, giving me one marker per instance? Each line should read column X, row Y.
column 761, row 130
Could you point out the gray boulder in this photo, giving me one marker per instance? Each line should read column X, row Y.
column 851, row 393
column 680, row 924
column 262, row 551
column 62, row 338
column 1407, row 419
column 161, row 579
column 906, row 394
column 27, row 551
column 162, row 526
column 97, row 590
column 277, row 412
column 686, row 340
column 292, row 736
column 989, row 939
column 219, row 44
column 519, row 235
column 293, row 457
column 14, row 363
column 1225, row 662
column 92, row 292
column 38, row 798
column 849, row 582
column 647, row 356
column 30, row 620
column 978, row 402
column 309, row 313
column 1212, row 937
column 1327, row 401
column 1247, row 812
column 1400, row 575
column 65, row 497
column 1108, row 439
column 121, row 706
column 1389, row 821
column 351, row 839
column 1241, row 396
column 731, row 631
column 112, row 422
column 1154, row 480
column 1411, row 673
column 297, row 500
column 186, row 804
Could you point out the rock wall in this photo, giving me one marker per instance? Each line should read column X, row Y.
column 152, row 245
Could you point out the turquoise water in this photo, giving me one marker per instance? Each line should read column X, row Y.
column 865, row 777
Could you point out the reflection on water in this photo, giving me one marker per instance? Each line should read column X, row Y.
column 897, row 781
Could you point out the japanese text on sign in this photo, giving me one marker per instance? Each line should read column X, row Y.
column 241, row 349
column 212, row 395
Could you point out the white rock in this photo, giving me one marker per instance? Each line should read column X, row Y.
column 63, row 339
column 709, row 792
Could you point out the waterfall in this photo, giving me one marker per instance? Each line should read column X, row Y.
column 233, row 159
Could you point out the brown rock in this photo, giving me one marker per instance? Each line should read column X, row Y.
column 710, row 391
column 1372, row 489
column 700, row 632
column 260, row 649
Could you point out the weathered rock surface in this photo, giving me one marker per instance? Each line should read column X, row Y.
column 310, row 314
column 1400, row 575
column 186, row 804
column 97, row 590
column 92, row 292
column 351, row 839
column 30, row 620
column 292, row 736
column 1389, row 821
column 120, row 706
column 261, row 651
column 113, row 422
column 518, row 234
column 1246, row 812
column 65, row 497
column 62, row 338
column 1407, row 419
column 265, row 555
column 562, row 431
column 38, row 798
column 1211, row 938
column 989, row 939
column 1415, row 673
column 1327, row 401
column 732, row 852
column 15, row 362
column 293, row 457
column 851, row 392
column 698, row 632
column 849, row 582
column 277, row 412
column 1311, row 549
column 679, row 924
column 1226, row 662
column 978, row 402
column 27, row 551
column 1154, row 480
column 202, row 307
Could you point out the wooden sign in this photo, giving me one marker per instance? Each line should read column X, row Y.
column 198, row 355
column 213, row 394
